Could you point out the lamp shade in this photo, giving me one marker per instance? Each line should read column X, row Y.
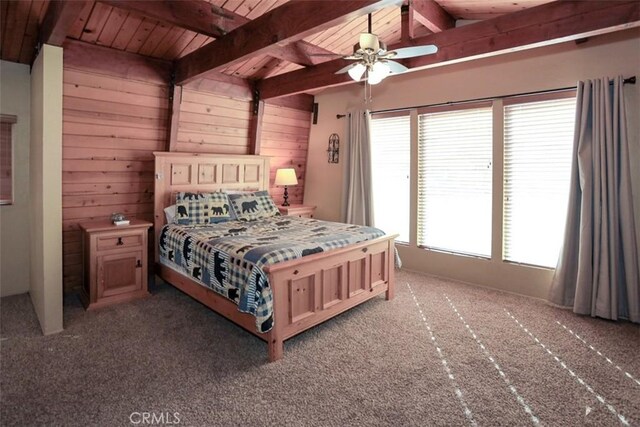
column 286, row 177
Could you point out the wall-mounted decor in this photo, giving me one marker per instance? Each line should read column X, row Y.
column 334, row 148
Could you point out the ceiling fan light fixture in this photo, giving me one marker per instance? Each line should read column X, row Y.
column 373, row 78
column 369, row 41
column 357, row 71
column 378, row 72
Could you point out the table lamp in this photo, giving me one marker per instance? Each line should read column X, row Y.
column 286, row 177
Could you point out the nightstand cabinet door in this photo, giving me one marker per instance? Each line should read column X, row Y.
column 119, row 273
column 115, row 262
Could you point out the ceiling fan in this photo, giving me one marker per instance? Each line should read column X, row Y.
column 374, row 61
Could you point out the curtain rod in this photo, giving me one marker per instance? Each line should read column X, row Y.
column 630, row 80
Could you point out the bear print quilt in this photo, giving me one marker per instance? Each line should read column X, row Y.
column 228, row 257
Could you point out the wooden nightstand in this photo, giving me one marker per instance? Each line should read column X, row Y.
column 115, row 262
column 303, row 211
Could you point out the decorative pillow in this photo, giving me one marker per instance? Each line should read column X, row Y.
column 252, row 206
column 170, row 213
column 202, row 208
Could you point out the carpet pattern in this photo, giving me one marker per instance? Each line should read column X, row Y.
column 440, row 353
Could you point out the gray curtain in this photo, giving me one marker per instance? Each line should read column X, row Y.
column 597, row 272
column 358, row 203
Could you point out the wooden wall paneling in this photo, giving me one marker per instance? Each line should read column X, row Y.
column 113, row 84
column 301, row 102
column 231, row 86
column 174, row 118
column 285, row 138
column 213, row 123
column 111, row 127
column 104, row 61
column 255, row 130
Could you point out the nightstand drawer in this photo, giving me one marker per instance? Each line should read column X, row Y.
column 116, row 242
column 302, row 211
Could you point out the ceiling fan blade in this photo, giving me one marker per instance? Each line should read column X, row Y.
column 396, row 67
column 410, row 52
column 345, row 69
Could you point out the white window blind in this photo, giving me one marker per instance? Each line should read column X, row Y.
column 390, row 158
column 538, row 139
column 454, row 184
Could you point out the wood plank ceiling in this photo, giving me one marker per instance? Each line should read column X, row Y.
column 174, row 30
column 103, row 24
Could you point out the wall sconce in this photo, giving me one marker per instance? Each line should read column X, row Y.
column 334, row 148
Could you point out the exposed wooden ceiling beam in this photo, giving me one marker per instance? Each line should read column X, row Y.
column 314, row 54
column 543, row 25
column 82, row 55
column 406, row 24
column 303, row 53
column 547, row 24
column 431, row 15
column 58, row 20
column 199, row 16
column 202, row 17
column 290, row 22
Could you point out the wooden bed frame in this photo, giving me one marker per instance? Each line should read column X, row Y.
column 306, row 291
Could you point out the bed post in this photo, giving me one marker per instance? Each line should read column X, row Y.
column 276, row 347
column 275, row 338
column 391, row 285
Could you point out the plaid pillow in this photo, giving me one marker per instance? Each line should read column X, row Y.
column 252, row 206
column 202, row 208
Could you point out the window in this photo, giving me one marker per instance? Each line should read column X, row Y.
column 390, row 161
column 538, row 139
column 454, row 183
column 6, row 159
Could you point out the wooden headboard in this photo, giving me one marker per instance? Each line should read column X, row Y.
column 198, row 172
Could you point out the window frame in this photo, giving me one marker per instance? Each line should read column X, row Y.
column 10, row 120
column 508, row 101
column 497, row 105
column 460, row 106
column 408, row 112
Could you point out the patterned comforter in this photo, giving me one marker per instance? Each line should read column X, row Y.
column 228, row 257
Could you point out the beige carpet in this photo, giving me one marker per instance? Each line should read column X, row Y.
column 441, row 353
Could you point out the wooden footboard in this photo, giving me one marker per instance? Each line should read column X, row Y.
column 309, row 290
